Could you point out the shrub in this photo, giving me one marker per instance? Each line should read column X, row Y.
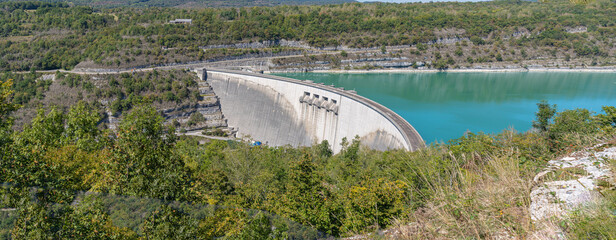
column 607, row 121
column 573, row 121
column 477, row 40
column 195, row 119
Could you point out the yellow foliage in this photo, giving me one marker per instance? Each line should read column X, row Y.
column 6, row 106
column 80, row 169
column 581, row 1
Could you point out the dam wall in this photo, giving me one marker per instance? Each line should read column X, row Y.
column 281, row 111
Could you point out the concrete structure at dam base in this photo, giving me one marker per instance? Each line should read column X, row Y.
column 282, row 111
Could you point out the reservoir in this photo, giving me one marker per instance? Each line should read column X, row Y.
column 444, row 105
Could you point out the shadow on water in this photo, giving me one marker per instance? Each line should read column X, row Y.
column 445, row 87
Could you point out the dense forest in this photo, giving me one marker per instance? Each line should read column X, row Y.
column 187, row 189
column 37, row 35
column 193, row 3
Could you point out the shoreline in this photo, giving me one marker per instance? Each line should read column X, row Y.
column 611, row 69
column 606, row 69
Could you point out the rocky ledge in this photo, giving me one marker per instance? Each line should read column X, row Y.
column 569, row 183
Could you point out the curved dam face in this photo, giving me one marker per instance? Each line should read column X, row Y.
column 281, row 111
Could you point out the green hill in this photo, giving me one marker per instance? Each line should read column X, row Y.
column 192, row 3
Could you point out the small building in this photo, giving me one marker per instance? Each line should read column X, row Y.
column 181, row 21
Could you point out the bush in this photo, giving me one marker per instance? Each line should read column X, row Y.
column 373, row 205
column 573, row 121
column 459, row 52
column 421, row 47
column 195, row 119
column 477, row 40
column 217, row 132
column 607, row 121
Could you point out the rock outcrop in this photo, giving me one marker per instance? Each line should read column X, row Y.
column 567, row 184
column 208, row 107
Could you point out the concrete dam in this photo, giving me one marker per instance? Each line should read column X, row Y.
column 282, row 111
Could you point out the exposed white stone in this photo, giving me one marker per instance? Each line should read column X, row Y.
column 555, row 198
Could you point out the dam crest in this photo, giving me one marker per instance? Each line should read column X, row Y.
column 282, row 111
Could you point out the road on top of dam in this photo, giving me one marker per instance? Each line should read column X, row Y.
column 411, row 136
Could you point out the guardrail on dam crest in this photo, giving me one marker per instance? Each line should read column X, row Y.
column 280, row 111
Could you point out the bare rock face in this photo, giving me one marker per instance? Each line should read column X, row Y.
column 208, row 107
column 567, row 184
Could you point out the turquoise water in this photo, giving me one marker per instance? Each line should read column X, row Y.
column 443, row 106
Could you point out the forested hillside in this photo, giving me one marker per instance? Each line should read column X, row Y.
column 112, row 93
column 193, row 3
column 52, row 36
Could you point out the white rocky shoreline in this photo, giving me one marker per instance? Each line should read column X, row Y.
column 611, row 69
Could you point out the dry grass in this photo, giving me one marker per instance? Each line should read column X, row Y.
column 488, row 197
column 487, row 201
column 596, row 220
column 17, row 38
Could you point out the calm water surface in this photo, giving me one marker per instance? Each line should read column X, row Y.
column 443, row 106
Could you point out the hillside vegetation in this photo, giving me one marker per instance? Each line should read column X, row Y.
column 36, row 35
column 112, row 93
column 193, row 3
column 474, row 186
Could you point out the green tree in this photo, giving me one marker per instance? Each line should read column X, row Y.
column 459, row 52
column 195, row 119
column 170, row 223
column 6, row 122
column 82, row 126
column 349, row 156
column 477, row 40
column 28, row 164
column 324, row 149
column 85, row 220
column 573, row 121
column 544, row 115
column 142, row 162
column 421, row 46
column 259, row 227
column 89, row 220
column 6, row 106
column 212, row 186
column 607, row 121
column 224, row 222
column 45, row 131
column 307, row 200
column 37, row 222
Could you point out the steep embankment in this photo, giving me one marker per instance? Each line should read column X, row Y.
column 185, row 101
